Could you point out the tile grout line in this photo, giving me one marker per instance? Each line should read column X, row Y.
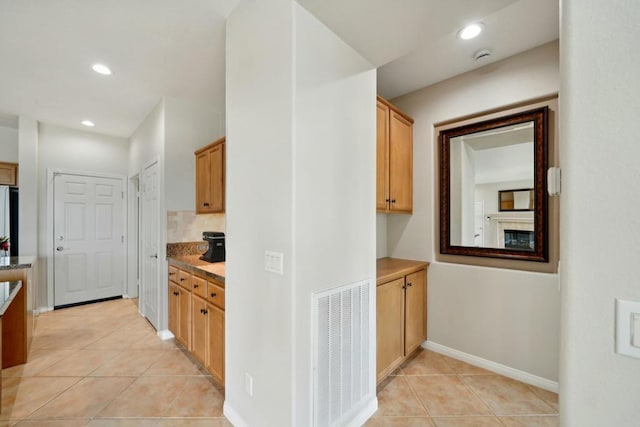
column 415, row 394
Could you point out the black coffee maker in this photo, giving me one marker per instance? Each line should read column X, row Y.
column 216, row 252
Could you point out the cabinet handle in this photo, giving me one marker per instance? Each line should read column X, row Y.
column 409, row 285
column 195, row 286
column 176, row 293
column 205, row 311
column 387, row 200
column 404, row 287
column 213, row 294
column 206, row 204
column 393, row 200
column 172, row 273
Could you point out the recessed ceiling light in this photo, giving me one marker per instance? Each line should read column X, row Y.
column 101, row 69
column 470, row 31
column 88, row 123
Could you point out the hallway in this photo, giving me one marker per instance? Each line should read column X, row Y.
column 102, row 365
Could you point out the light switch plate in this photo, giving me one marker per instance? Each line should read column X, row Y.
column 628, row 328
column 274, row 262
column 635, row 330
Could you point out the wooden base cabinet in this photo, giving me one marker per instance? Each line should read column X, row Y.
column 196, row 322
column 180, row 314
column 401, row 313
column 200, row 329
column 215, row 355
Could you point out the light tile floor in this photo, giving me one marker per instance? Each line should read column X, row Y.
column 433, row 390
column 102, row 365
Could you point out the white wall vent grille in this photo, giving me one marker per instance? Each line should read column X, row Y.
column 342, row 353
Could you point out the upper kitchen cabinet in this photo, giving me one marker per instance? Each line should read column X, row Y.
column 210, row 178
column 8, row 174
column 394, row 171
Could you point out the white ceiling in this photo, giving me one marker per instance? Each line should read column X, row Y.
column 174, row 48
column 153, row 47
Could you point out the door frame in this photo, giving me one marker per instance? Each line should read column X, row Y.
column 162, row 308
column 133, row 230
column 49, row 251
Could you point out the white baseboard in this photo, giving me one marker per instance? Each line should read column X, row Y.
column 42, row 310
column 367, row 411
column 507, row 371
column 233, row 416
column 165, row 334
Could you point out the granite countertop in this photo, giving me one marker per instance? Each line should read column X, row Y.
column 388, row 269
column 15, row 262
column 8, row 291
column 193, row 264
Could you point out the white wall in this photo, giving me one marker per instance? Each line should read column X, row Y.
column 28, row 179
column 456, row 291
column 74, row 150
column 259, row 305
column 600, row 86
column 147, row 142
column 8, row 144
column 189, row 125
column 301, row 181
column 334, row 181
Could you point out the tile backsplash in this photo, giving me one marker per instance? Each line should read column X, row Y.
column 186, row 226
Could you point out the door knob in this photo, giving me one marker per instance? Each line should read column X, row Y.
column 59, row 249
column 153, row 256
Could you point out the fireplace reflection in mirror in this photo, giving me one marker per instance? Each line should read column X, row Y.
column 522, row 240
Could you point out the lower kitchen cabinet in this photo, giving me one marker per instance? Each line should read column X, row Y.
column 401, row 312
column 180, row 314
column 215, row 359
column 200, row 326
column 196, row 322
column 390, row 326
column 415, row 332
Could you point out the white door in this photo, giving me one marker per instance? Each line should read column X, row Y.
column 150, row 227
column 88, row 227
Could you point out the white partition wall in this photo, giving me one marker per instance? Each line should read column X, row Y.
column 300, row 182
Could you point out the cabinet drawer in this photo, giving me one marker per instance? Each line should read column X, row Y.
column 173, row 274
column 199, row 286
column 184, row 279
column 215, row 294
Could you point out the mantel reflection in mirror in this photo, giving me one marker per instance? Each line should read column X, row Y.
column 492, row 179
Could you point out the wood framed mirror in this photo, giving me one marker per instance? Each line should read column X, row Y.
column 479, row 163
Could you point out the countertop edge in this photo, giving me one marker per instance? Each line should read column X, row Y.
column 12, row 294
column 194, row 269
column 404, row 267
column 17, row 263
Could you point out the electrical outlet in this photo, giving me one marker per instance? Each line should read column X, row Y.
column 248, row 384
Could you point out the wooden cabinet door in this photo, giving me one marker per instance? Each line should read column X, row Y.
column 415, row 310
column 200, row 325
column 174, row 308
column 217, row 178
column 382, row 157
column 400, row 163
column 389, row 326
column 203, row 182
column 215, row 362
column 184, row 318
column 8, row 174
